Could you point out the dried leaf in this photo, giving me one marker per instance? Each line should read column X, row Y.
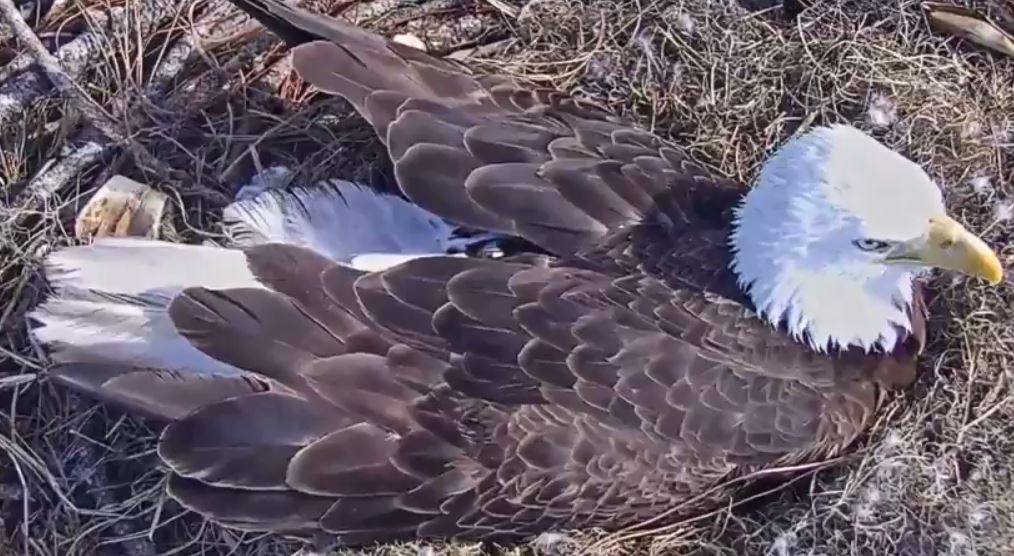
column 969, row 24
column 122, row 207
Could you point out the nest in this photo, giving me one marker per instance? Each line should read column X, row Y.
column 203, row 98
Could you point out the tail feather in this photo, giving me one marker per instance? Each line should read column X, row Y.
column 111, row 297
column 110, row 301
column 343, row 221
column 139, row 266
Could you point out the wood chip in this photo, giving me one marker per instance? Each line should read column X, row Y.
column 408, row 39
column 969, row 24
column 122, row 208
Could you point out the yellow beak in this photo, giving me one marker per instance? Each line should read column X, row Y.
column 950, row 246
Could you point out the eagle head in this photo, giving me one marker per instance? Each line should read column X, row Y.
column 836, row 229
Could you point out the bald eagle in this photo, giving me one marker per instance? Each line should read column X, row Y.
column 342, row 368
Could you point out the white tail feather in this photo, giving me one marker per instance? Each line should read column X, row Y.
column 134, row 266
column 111, row 298
column 340, row 220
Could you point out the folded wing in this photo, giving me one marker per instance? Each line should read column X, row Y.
column 492, row 154
column 496, row 400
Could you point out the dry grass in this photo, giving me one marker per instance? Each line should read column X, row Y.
column 203, row 93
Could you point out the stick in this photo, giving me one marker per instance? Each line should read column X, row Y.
column 92, row 112
column 21, row 87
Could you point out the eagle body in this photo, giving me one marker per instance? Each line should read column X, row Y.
column 617, row 374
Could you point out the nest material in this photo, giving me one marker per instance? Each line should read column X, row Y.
column 212, row 97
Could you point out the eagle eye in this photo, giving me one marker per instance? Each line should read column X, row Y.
column 874, row 245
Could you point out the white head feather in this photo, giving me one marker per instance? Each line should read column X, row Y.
column 795, row 238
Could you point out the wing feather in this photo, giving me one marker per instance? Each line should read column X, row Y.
column 353, row 461
column 217, row 443
column 298, row 273
column 253, row 510
column 254, row 329
column 172, row 395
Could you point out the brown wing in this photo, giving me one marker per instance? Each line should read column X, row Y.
column 491, row 154
column 507, row 399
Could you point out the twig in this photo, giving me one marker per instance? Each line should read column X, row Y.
column 23, row 85
column 92, row 112
column 88, row 148
column 95, row 474
column 505, row 8
column 986, row 415
column 20, row 62
column 20, row 89
column 56, row 75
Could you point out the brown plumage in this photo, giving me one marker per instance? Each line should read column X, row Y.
column 600, row 385
column 492, row 400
